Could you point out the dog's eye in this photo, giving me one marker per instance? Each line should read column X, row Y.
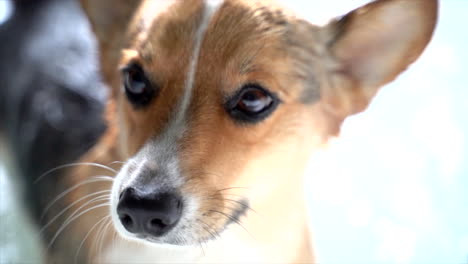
column 138, row 88
column 253, row 101
column 252, row 104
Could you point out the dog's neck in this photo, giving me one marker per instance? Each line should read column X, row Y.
column 280, row 225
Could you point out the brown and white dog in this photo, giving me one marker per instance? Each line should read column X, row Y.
column 216, row 107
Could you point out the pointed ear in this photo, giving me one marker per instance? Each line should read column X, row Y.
column 371, row 45
column 109, row 20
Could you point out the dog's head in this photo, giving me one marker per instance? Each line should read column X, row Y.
column 214, row 97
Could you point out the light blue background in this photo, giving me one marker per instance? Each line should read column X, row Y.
column 394, row 187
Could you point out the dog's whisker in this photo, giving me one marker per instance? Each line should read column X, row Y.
column 71, row 205
column 95, row 244
column 230, row 188
column 114, row 238
column 73, row 165
column 100, row 198
column 104, row 235
column 201, row 172
column 99, row 178
column 117, row 162
column 207, row 229
column 66, row 223
column 232, row 219
column 121, row 163
column 87, row 235
column 234, row 201
column 231, row 194
column 201, row 246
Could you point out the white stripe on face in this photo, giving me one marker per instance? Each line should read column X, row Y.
column 163, row 149
column 160, row 155
column 210, row 8
column 165, row 146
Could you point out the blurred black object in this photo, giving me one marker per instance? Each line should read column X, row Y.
column 51, row 96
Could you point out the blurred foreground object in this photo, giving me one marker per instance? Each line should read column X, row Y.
column 51, row 99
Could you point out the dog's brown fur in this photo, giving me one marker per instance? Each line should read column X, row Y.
column 321, row 74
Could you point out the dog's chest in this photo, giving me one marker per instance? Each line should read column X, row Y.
column 229, row 248
column 125, row 252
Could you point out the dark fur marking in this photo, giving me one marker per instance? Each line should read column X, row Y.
column 237, row 213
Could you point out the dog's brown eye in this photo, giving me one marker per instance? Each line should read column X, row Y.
column 253, row 101
column 138, row 88
column 251, row 104
column 135, row 82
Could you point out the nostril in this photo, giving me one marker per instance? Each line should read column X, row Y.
column 127, row 221
column 127, row 192
column 157, row 224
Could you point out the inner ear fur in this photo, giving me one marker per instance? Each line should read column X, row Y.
column 370, row 46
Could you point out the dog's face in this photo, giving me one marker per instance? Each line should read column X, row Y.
column 217, row 98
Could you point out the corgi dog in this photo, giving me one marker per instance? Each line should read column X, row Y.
column 215, row 109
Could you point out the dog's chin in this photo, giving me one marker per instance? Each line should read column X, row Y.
column 160, row 242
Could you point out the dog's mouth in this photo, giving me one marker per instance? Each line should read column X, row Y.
column 170, row 219
column 168, row 211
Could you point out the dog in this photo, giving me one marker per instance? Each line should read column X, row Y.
column 215, row 109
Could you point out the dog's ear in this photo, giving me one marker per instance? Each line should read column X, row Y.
column 109, row 20
column 370, row 46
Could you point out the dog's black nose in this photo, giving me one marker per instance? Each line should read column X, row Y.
column 153, row 213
